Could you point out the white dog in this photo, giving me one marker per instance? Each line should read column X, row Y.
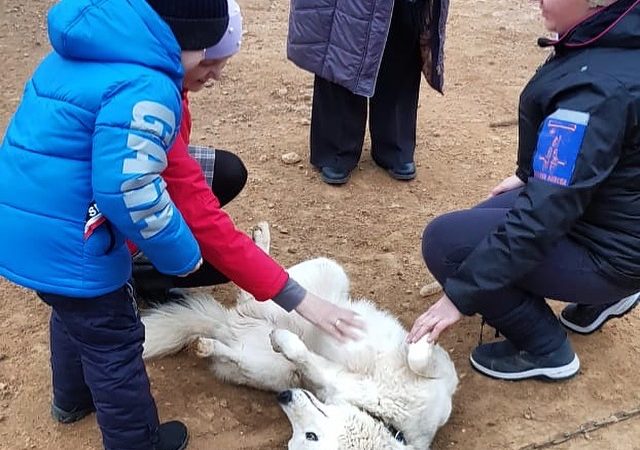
column 376, row 393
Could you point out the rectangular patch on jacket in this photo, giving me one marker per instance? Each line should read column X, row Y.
column 559, row 143
column 93, row 220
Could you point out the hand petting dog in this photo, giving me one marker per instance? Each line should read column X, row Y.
column 343, row 324
column 440, row 316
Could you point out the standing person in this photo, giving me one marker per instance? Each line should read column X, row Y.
column 565, row 226
column 81, row 163
column 367, row 56
column 229, row 254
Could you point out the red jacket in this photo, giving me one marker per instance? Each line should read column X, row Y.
column 223, row 246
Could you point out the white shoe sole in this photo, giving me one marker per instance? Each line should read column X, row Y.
column 552, row 373
column 616, row 310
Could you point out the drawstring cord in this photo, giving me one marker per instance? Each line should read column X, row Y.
column 497, row 335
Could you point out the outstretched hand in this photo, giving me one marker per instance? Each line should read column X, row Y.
column 440, row 316
column 343, row 324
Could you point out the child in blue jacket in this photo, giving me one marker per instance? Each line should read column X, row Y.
column 81, row 163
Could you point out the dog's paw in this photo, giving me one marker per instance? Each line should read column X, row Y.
column 262, row 236
column 204, row 347
column 419, row 356
column 287, row 343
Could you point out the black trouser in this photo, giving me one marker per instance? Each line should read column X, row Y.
column 339, row 117
column 229, row 178
column 520, row 312
column 96, row 359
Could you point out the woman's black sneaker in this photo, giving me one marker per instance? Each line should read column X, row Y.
column 502, row 360
column 585, row 319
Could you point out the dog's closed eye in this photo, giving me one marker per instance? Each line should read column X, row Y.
column 311, row 436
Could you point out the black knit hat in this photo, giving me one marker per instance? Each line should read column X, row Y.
column 196, row 24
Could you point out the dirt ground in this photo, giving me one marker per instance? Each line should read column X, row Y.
column 372, row 226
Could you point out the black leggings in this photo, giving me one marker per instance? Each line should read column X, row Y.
column 229, row 178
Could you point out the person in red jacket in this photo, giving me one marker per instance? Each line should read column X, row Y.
column 200, row 181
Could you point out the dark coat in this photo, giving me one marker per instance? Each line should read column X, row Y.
column 343, row 40
column 579, row 154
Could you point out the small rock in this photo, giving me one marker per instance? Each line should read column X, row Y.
column 271, row 206
column 283, row 91
column 283, row 230
column 529, row 414
column 291, row 158
column 263, row 158
column 292, row 250
column 430, row 289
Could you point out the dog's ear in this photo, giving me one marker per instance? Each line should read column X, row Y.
column 419, row 357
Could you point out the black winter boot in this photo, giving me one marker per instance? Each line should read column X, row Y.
column 171, row 436
column 536, row 346
column 585, row 319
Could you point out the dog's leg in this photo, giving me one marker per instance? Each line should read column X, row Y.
column 204, row 347
column 325, row 378
column 253, row 368
column 330, row 382
column 262, row 236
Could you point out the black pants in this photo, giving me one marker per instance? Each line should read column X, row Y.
column 520, row 312
column 228, row 180
column 339, row 117
column 96, row 358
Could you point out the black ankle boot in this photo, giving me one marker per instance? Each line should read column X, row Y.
column 171, row 436
column 333, row 175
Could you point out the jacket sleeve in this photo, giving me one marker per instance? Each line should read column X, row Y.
column 579, row 144
column 223, row 246
column 134, row 128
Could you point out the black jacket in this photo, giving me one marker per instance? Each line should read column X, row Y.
column 579, row 154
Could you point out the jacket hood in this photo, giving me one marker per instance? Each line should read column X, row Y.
column 616, row 26
column 123, row 31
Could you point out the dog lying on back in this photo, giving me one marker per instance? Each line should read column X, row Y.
column 376, row 393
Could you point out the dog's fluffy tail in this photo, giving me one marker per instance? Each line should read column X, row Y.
column 171, row 327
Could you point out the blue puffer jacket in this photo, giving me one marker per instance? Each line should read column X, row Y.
column 88, row 142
